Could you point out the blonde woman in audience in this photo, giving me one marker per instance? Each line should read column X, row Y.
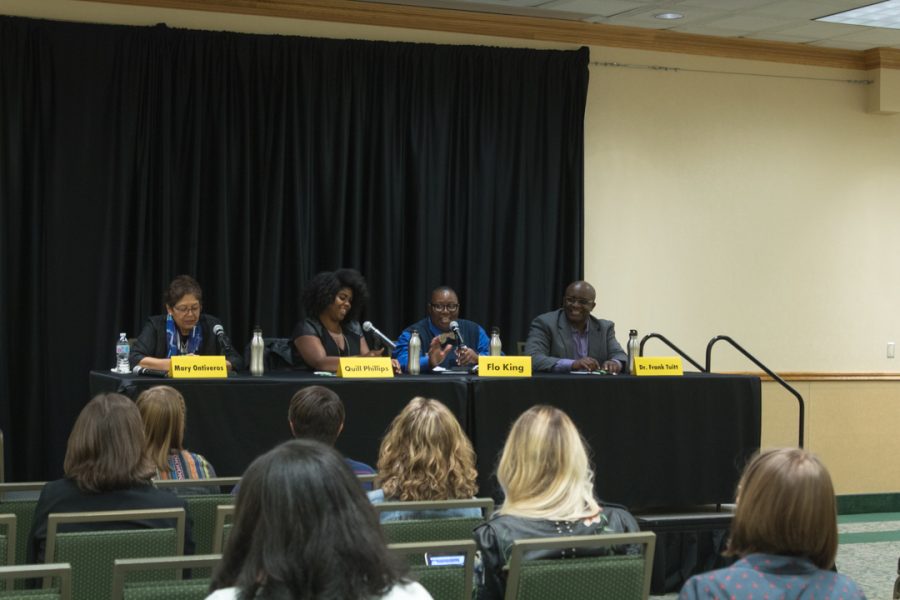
column 163, row 413
column 548, row 485
column 106, row 468
column 425, row 455
column 785, row 533
column 304, row 529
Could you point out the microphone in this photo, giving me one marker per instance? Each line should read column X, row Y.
column 224, row 342
column 367, row 326
column 454, row 327
column 145, row 372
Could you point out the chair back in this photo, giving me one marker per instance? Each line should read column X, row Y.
column 613, row 577
column 202, row 511
column 443, row 582
column 176, row 588
column 20, row 499
column 187, row 487
column 224, row 514
column 60, row 572
column 91, row 553
column 433, row 527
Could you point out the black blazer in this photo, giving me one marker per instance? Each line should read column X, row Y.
column 550, row 339
column 152, row 341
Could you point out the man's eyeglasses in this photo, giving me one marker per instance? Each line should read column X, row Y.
column 183, row 310
column 579, row 301
column 445, row 307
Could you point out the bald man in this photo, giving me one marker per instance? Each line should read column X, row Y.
column 570, row 339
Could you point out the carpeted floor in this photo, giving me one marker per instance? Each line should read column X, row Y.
column 868, row 552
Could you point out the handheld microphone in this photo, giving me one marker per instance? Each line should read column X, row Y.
column 454, row 327
column 224, row 342
column 367, row 326
column 145, row 372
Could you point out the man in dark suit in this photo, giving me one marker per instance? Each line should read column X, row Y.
column 570, row 339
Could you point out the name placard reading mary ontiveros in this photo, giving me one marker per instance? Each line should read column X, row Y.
column 352, row 367
column 206, row 367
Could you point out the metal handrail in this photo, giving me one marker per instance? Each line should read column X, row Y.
column 663, row 339
column 768, row 372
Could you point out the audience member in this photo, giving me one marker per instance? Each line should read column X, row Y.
column 425, row 455
column 549, row 488
column 106, row 468
column 163, row 412
column 303, row 529
column 785, row 533
column 571, row 339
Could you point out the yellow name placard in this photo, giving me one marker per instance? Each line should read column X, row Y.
column 352, row 367
column 207, row 367
column 504, row 366
column 657, row 365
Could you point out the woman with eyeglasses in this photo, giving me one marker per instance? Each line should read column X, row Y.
column 183, row 330
column 333, row 301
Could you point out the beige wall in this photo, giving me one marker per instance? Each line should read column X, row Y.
column 763, row 207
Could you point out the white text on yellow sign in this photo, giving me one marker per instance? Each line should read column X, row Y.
column 352, row 367
column 206, row 367
column 657, row 365
column 504, row 366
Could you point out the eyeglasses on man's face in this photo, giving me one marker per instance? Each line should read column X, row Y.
column 183, row 310
column 445, row 307
column 572, row 300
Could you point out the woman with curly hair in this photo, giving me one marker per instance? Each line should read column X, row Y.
column 425, row 455
column 333, row 302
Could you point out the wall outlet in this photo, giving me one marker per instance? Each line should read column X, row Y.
column 890, row 350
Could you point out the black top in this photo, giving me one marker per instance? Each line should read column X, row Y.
column 152, row 341
column 352, row 336
column 63, row 495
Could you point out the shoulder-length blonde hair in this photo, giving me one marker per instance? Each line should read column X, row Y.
column 162, row 410
column 544, row 469
column 425, row 455
column 786, row 505
column 106, row 447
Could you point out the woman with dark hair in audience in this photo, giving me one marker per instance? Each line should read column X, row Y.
column 106, row 469
column 163, row 413
column 304, row 529
column 784, row 531
column 182, row 330
column 333, row 302
column 425, row 455
column 548, row 483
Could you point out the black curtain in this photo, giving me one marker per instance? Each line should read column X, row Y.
column 129, row 155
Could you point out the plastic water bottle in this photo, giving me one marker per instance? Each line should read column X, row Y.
column 257, row 345
column 415, row 353
column 496, row 345
column 123, row 349
column 633, row 349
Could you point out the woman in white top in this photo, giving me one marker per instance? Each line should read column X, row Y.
column 303, row 528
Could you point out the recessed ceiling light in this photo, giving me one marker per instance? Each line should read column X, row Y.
column 668, row 15
column 881, row 14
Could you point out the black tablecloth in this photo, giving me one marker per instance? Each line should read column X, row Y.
column 656, row 441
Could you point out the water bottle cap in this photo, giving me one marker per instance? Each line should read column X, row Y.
column 632, row 332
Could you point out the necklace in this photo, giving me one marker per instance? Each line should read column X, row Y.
column 339, row 338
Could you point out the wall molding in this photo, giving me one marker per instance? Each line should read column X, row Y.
column 812, row 376
column 535, row 28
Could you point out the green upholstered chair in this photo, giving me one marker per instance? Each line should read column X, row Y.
column 8, row 535
column 202, row 511
column 435, row 529
column 91, row 553
column 174, row 588
column 214, row 483
column 224, row 516
column 20, row 499
column 614, row 577
column 58, row 574
column 444, row 582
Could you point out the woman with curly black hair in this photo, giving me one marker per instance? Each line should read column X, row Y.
column 333, row 303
